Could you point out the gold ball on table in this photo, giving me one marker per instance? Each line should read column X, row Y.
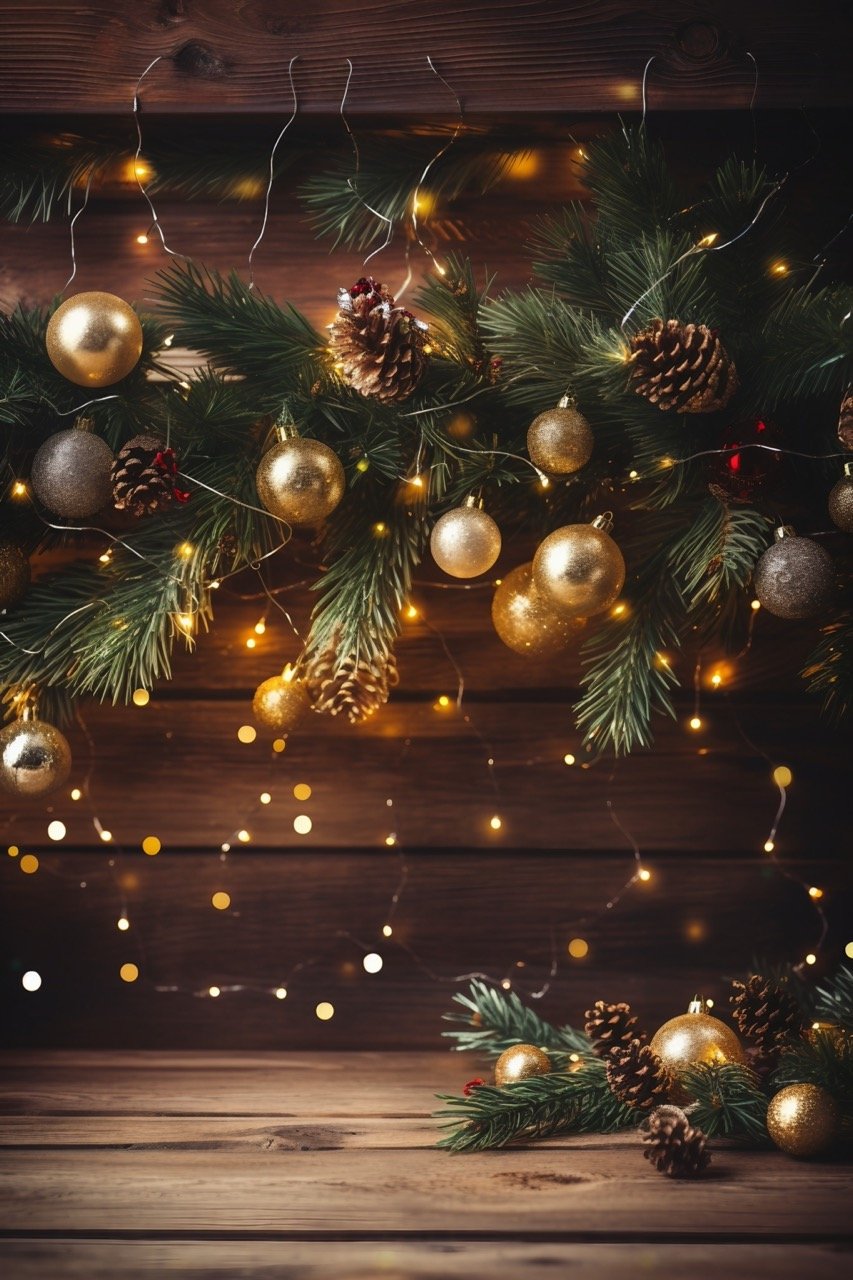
column 35, row 757
column 560, row 440
column 525, row 621
column 579, row 569
column 14, row 575
column 300, row 481
column 692, row 1039
column 803, row 1119
column 520, row 1062
column 465, row 542
column 94, row 339
column 280, row 702
column 72, row 472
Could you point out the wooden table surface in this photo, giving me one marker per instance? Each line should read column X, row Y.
column 323, row 1165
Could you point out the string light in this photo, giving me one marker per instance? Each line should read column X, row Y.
column 619, row 610
column 56, row 830
column 362, row 465
column 302, row 791
column 302, row 824
column 251, row 642
column 769, row 846
column 31, row 981
column 29, row 864
column 372, row 962
column 815, row 892
column 695, row 722
column 151, row 845
column 260, row 627
column 495, row 823
column 13, row 851
column 325, row 1011
column 142, row 238
column 848, row 950
column 184, row 550
column 755, row 605
column 387, row 931
column 243, row 836
column 411, row 612
column 644, row 874
column 141, row 697
column 391, row 839
column 779, row 269
column 247, row 733
column 782, row 776
column 380, row 529
column 568, row 758
column 578, row 948
column 278, row 745
column 214, row 992
column 123, row 924
column 128, row 972
column 105, row 835
column 265, row 797
column 281, row 993
column 76, row 793
column 19, row 489
column 707, row 240
column 811, row 958
column 716, row 679
column 221, row 900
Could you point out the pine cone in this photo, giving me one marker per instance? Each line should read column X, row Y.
column 674, row 1146
column 845, row 420
column 611, row 1027
column 765, row 1013
column 638, row 1076
column 144, row 475
column 683, row 367
column 379, row 345
column 342, row 686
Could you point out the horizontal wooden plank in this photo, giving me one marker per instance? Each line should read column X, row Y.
column 533, row 57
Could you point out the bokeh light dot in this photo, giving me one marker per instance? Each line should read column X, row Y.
column 141, row 697
column 221, row 900
column 302, row 791
column 782, row 776
column 325, row 1011
column 29, row 864
column 151, row 845
column 578, row 948
column 302, row 824
column 372, row 962
column 247, row 733
column 56, row 830
column 31, row 981
column 129, row 972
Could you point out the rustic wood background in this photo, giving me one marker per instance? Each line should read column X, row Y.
column 699, row 805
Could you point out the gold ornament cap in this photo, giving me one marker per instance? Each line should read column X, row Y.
column 784, row 531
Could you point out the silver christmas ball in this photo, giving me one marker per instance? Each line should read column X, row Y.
column 35, row 758
column 841, row 501
column 794, row 578
column 72, row 473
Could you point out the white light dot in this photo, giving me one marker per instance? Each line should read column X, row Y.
column 213, row 992
column 281, row 993
column 123, row 923
column 387, row 931
column 302, row 824
column 76, row 793
column 106, row 836
column 372, row 962
column 325, row 1011
column 56, row 830
column 31, row 980
column 265, row 797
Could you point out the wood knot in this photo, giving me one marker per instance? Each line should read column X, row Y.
column 700, row 41
column 198, row 59
column 171, row 12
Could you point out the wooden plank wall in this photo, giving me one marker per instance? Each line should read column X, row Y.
column 699, row 806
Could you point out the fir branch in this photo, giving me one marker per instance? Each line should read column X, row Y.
column 539, row 1107
column 825, row 1059
column 728, row 1102
column 829, row 671
column 834, row 1000
column 494, row 1020
column 806, row 346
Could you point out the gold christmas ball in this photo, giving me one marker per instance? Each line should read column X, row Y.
column 300, row 481
column 803, row 1119
column 94, row 339
column 14, row 575
column 72, row 473
column 560, row 440
column 35, row 758
column 525, row 622
column 280, row 703
column 841, row 500
column 579, row 570
column 465, row 542
column 692, row 1039
column 520, row 1062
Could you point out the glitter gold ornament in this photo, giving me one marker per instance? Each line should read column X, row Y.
column 794, row 577
column 465, row 542
column 579, row 569
column 692, row 1039
column 520, row 1062
column 525, row 621
column 72, row 472
column 94, row 339
column 300, row 481
column 280, row 702
column 35, row 757
column 14, row 575
column 841, row 500
column 560, row 440
column 803, row 1119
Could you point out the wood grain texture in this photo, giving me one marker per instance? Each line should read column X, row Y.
column 536, row 56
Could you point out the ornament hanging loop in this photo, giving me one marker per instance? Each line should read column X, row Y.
column 604, row 521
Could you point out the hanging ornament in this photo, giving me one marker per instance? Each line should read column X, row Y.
column 72, row 471
column 579, row 569
column 378, row 345
column 794, row 578
column 144, row 477
column 35, row 757
column 520, row 1062
column 300, row 481
column 803, row 1119
column 692, row 1039
column 683, row 367
column 841, row 500
column 465, row 542
column 845, row 420
column 280, row 702
column 94, row 339
column 560, row 440
column 526, row 622
column 14, row 575
column 742, row 470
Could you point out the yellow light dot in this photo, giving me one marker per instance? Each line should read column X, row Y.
column 662, row 660
column 251, row 642
column 769, row 846
column 387, row 931
column 76, row 794
column 302, row 791
column 128, row 972
column 411, row 612
column 709, row 239
column 380, row 529
column 29, row 864
column 815, row 892
column 709, row 1003
column 782, row 776
column 644, row 874
column 578, row 948
column 362, row 465
column 243, row 836
column 423, row 203
column 522, row 164
column 495, row 823
column 372, row 962
column 56, row 830
column 848, row 950
column 265, row 797
column 444, row 701
column 184, row 550
column 695, row 722
column 325, row 1011
column 506, row 984
column 279, row 745
column 185, row 622
column 105, row 835
column 780, row 268
column 618, row 610
column 544, row 482
column 247, row 733
column 151, row 845
column 667, row 463
column 123, row 924
column 755, row 604
column 105, row 557
column 811, row 958
column 13, row 851
column 568, row 758
column 716, row 679
column 213, row 992
column 391, row 840
column 302, row 824
column 142, row 238
column 281, row 993
column 633, row 475
column 141, row 697
column 19, row 489
column 260, row 628
column 221, row 900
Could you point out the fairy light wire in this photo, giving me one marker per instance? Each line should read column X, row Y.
column 143, row 186
column 271, row 178
column 352, row 183
column 73, row 224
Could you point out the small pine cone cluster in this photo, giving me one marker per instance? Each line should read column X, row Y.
column 144, row 477
column 765, row 1013
column 673, row 1146
column 638, row 1076
column 610, row 1027
column 683, row 367
column 343, row 686
column 379, row 345
column 845, row 420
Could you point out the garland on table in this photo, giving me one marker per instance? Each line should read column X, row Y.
column 692, row 1081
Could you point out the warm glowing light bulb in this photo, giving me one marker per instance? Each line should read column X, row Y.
column 152, row 846
column 782, row 776
column 544, row 482
column 618, row 610
column 142, row 238
column 76, row 793
column 221, row 901
column 387, row 931
column 302, row 791
column 716, row 679
column 380, row 529
column 56, row 830
column 251, row 642
column 105, row 835
column 265, row 797
column 707, row 240
column 780, row 269
column 141, row 697
column 260, row 628
column 444, row 701
column 362, row 465
column 128, row 972
column 31, row 981
column 278, row 745
column 495, row 823
column 506, row 984
column 755, row 605
column 325, row 1011
column 243, row 836
column 372, row 962
column 105, row 557
column 213, row 992
column 578, row 948
column 302, row 824
column 29, row 864
column 815, row 892
column 123, row 924
column 281, row 993
column 411, row 612
column 19, row 489
column 811, row 958
column 184, row 550
column 633, row 475
column 568, row 758
column 695, row 722
column 391, row 840
column 13, row 851
column 848, row 950
column 247, row 733
column 769, row 846
column 644, row 874
column 186, row 623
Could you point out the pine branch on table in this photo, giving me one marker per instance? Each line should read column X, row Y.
column 493, row 1020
